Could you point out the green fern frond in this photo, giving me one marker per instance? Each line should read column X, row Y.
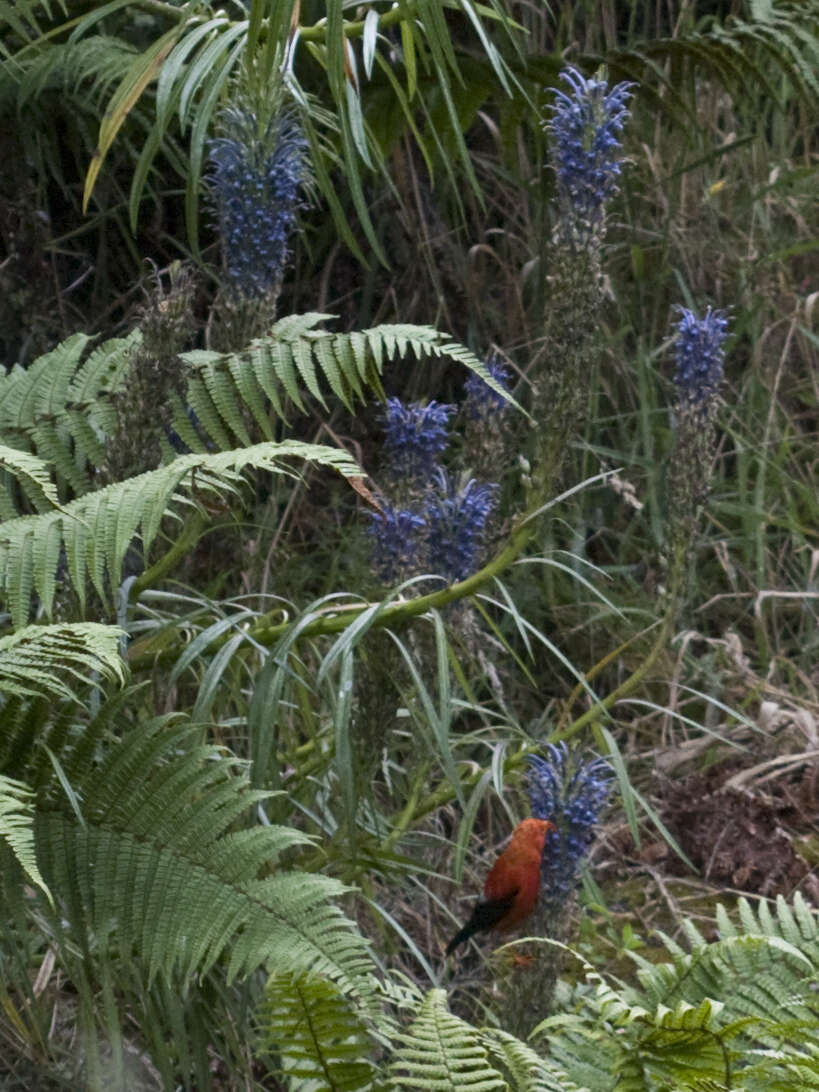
column 85, row 71
column 740, row 1009
column 745, row 56
column 760, row 974
column 316, row 1033
column 685, row 1047
column 527, row 1071
column 442, row 1052
column 586, row 1047
column 57, row 408
column 784, row 1071
column 157, row 868
column 297, row 359
column 26, row 394
column 34, row 478
column 16, row 827
column 96, row 530
column 49, row 661
column 798, row 925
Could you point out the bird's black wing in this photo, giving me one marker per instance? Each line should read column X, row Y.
column 486, row 914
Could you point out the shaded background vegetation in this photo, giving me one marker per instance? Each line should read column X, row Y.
column 449, row 224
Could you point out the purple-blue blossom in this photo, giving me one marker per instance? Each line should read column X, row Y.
column 572, row 792
column 456, row 518
column 700, row 356
column 397, row 540
column 585, row 127
column 415, row 435
column 482, row 401
column 256, row 182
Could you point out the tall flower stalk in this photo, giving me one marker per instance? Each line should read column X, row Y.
column 699, row 364
column 584, row 129
column 143, row 432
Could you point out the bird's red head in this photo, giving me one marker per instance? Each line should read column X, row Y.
column 533, row 832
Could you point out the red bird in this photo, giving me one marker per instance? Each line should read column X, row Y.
column 512, row 886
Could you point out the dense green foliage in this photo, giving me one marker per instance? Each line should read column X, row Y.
column 247, row 791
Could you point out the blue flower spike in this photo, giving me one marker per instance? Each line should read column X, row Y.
column 572, row 792
column 430, row 522
column 415, row 435
column 256, row 181
column 397, row 540
column 586, row 124
column 700, row 356
column 456, row 518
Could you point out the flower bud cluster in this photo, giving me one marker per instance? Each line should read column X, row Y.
column 585, row 127
column 699, row 356
column 571, row 792
column 431, row 520
column 256, row 181
column 456, row 516
column 414, row 436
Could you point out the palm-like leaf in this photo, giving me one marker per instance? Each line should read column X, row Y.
column 187, row 67
column 23, row 19
column 745, row 56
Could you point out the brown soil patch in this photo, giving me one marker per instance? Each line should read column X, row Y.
column 736, row 838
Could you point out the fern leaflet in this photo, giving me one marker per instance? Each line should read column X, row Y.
column 316, row 1033
column 96, row 530
column 442, row 1052
column 16, row 827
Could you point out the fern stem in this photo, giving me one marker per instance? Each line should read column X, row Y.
column 168, row 561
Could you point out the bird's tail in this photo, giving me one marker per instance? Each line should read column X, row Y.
column 460, row 937
column 486, row 914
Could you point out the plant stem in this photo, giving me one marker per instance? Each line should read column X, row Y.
column 318, row 31
column 337, row 619
column 166, row 563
